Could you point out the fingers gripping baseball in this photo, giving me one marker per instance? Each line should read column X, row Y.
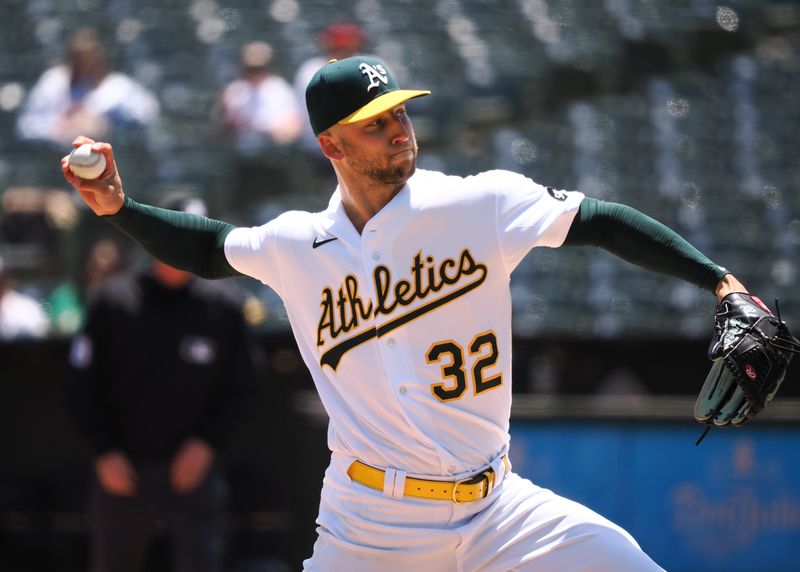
column 104, row 194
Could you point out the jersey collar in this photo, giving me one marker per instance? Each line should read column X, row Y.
column 337, row 223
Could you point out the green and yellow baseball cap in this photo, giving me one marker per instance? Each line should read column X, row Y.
column 351, row 90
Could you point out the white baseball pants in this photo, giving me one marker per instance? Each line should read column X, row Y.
column 519, row 527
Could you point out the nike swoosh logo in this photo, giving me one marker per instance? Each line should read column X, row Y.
column 317, row 243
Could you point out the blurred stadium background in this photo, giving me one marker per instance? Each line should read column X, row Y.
column 685, row 109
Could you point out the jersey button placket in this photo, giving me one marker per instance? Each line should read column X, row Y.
column 371, row 257
column 400, row 380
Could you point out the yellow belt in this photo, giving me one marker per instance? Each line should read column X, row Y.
column 469, row 489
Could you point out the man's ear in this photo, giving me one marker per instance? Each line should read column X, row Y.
column 330, row 148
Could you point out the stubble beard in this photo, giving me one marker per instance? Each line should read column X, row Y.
column 389, row 175
column 393, row 174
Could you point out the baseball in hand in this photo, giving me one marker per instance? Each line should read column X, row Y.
column 85, row 163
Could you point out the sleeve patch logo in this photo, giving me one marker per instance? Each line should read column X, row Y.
column 557, row 194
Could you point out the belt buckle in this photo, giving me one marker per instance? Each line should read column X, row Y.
column 487, row 475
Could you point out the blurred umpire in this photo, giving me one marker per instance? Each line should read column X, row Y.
column 162, row 373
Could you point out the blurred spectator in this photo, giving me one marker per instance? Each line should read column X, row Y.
column 336, row 41
column 162, row 373
column 32, row 220
column 260, row 120
column 69, row 300
column 20, row 316
column 83, row 96
column 24, row 221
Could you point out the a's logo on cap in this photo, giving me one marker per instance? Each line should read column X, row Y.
column 376, row 75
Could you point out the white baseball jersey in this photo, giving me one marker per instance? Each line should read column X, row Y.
column 406, row 327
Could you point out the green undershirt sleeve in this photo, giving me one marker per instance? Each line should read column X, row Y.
column 641, row 240
column 182, row 240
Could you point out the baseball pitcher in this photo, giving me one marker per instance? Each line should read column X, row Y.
column 398, row 297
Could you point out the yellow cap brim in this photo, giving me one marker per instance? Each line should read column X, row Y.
column 382, row 103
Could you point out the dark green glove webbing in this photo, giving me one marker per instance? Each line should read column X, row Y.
column 643, row 241
column 186, row 241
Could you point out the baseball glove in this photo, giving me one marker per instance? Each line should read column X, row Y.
column 751, row 350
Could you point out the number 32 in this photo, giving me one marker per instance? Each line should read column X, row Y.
column 484, row 347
